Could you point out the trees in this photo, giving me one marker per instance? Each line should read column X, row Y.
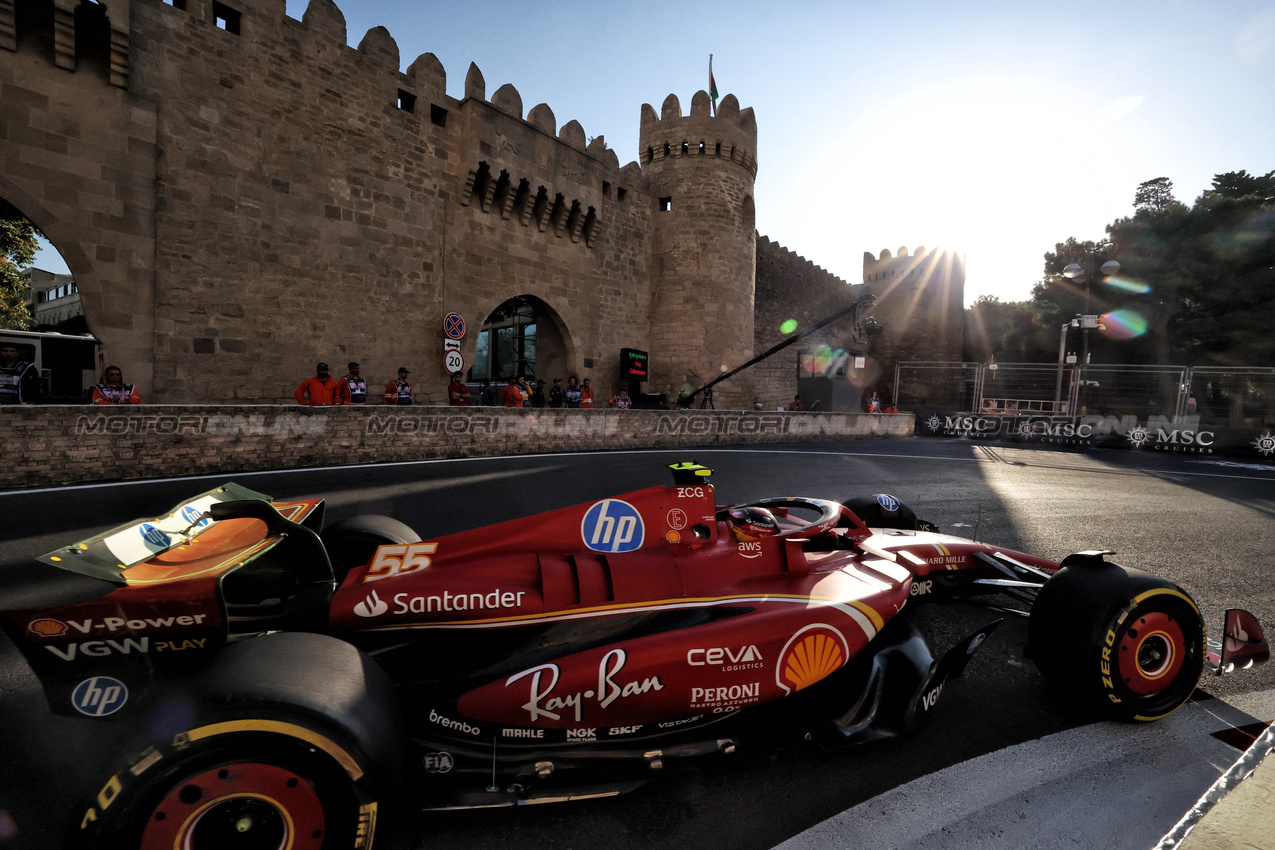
column 1154, row 194
column 17, row 252
column 1196, row 284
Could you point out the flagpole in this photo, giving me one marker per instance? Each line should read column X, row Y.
column 712, row 85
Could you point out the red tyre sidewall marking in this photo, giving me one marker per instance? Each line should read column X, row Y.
column 1154, row 625
column 299, row 805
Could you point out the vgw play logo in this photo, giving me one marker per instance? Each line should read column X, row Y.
column 612, row 525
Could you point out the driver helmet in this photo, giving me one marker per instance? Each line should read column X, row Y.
column 751, row 523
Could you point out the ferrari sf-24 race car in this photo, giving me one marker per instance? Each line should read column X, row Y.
column 284, row 682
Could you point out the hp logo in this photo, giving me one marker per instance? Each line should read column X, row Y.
column 154, row 535
column 99, row 696
column 194, row 517
column 888, row 503
column 612, row 525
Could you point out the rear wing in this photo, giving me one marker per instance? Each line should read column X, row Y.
column 108, row 555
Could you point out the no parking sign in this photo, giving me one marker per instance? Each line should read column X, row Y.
column 454, row 326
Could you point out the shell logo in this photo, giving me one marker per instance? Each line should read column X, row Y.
column 47, row 627
column 811, row 655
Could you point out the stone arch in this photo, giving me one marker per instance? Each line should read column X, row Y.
column 500, row 346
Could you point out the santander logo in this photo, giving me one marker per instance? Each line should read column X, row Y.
column 372, row 606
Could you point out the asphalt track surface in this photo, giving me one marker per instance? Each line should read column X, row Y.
column 1000, row 752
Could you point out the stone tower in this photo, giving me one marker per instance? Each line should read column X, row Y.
column 699, row 170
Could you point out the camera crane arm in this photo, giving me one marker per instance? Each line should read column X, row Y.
column 857, row 307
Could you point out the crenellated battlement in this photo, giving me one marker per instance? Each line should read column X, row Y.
column 731, row 134
column 374, row 64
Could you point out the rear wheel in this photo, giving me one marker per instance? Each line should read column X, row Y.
column 240, row 791
column 352, row 542
column 1116, row 641
column 298, row 745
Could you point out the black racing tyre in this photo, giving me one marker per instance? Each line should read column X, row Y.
column 351, row 542
column 292, row 740
column 1118, row 642
column 885, row 511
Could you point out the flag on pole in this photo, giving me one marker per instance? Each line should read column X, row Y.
column 712, row 84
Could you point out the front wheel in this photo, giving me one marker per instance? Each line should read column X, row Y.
column 1119, row 642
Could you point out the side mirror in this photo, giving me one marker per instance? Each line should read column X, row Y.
column 1243, row 644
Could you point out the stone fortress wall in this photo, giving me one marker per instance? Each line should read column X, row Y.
column 239, row 194
column 921, row 303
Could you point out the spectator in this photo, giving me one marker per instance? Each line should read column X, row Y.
column 352, row 389
column 621, row 400
column 796, row 403
column 538, row 393
column 874, row 403
column 19, row 379
column 399, row 391
column 113, row 390
column 556, row 397
column 572, row 393
column 586, row 395
column 511, row 395
column 321, row 389
column 487, row 393
column 457, row 392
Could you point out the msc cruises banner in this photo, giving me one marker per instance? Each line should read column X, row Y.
column 1182, row 435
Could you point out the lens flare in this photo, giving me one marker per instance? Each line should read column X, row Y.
column 788, row 326
column 1126, row 285
column 1124, row 324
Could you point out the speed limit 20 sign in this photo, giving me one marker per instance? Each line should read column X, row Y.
column 453, row 362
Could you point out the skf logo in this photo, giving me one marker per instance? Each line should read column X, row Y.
column 612, row 525
column 372, row 606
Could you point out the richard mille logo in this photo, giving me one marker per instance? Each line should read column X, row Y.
column 1265, row 443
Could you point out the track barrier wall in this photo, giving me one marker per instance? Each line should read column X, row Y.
column 54, row 445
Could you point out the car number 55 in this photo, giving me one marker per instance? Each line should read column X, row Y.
column 399, row 560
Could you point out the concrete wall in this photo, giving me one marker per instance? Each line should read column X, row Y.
column 57, row 445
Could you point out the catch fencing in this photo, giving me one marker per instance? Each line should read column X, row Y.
column 1241, row 396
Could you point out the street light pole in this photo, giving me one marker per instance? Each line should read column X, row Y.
column 1077, row 273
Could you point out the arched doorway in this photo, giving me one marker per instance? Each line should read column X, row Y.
column 520, row 337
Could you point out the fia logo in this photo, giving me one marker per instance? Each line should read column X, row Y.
column 99, row 696
column 438, row 762
column 612, row 525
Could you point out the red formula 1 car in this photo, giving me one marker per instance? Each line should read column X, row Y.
column 283, row 682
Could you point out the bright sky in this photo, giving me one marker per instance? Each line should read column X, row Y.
column 996, row 129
